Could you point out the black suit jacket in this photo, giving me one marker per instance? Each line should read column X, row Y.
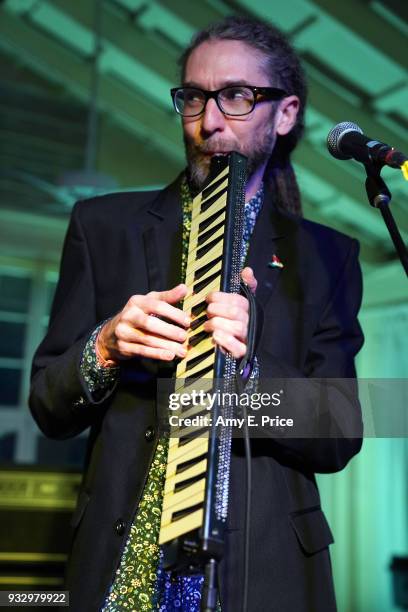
column 130, row 243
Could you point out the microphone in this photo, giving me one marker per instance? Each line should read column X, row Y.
column 346, row 140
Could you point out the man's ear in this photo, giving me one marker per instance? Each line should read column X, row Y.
column 286, row 115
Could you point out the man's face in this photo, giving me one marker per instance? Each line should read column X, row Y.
column 213, row 65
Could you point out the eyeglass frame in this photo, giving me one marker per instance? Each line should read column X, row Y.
column 257, row 91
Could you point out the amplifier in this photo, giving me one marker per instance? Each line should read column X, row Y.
column 36, row 505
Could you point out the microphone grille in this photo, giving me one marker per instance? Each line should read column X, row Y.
column 336, row 134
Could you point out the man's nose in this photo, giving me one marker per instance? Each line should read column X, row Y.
column 212, row 120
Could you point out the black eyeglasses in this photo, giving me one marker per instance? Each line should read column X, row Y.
column 234, row 100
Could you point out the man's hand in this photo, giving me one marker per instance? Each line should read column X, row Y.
column 228, row 315
column 137, row 330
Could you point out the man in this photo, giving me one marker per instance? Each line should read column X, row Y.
column 115, row 325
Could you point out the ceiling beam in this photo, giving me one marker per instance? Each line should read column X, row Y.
column 125, row 34
column 42, row 53
column 44, row 134
column 368, row 25
column 132, row 162
column 197, row 14
column 336, row 108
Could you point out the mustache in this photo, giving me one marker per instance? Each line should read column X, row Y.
column 218, row 145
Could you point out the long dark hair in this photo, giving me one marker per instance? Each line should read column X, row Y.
column 284, row 69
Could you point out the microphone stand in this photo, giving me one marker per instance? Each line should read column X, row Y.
column 379, row 197
column 209, row 594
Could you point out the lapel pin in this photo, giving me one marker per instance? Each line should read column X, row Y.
column 275, row 262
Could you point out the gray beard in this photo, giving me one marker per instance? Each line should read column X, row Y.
column 199, row 165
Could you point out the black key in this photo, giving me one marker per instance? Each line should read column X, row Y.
column 201, row 252
column 185, row 465
column 197, row 338
column 199, row 308
column 206, row 281
column 205, row 204
column 192, row 363
column 209, row 190
column 196, row 433
column 201, row 271
column 176, row 516
column 179, row 486
column 200, row 374
column 207, row 222
column 197, row 322
column 205, row 235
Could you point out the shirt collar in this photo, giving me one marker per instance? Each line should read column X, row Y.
column 255, row 202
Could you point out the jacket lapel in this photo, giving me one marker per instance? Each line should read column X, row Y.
column 162, row 239
column 271, row 237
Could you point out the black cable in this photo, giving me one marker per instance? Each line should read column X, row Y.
column 247, row 360
column 247, row 523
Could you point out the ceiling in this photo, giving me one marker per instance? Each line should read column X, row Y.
column 354, row 52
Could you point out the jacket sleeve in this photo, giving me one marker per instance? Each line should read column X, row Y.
column 60, row 400
column 322, row 396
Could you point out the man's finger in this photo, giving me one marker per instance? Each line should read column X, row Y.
column 155, row 342
column 234, row 313
column 129, row 350
column 146, row 326
column 174, row 295
column 230, row 344
column 165, row 310
column 249, row 279
column 238, row 329
column 231, row 299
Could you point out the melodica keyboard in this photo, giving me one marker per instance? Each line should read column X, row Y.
column 195, row 502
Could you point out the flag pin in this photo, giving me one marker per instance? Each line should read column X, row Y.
column 275, row 262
